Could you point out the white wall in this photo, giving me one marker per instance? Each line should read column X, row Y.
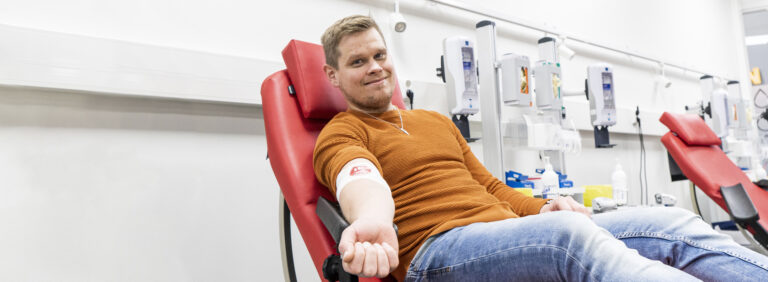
column 133, row 188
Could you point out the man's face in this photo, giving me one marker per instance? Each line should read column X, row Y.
column 364, row 74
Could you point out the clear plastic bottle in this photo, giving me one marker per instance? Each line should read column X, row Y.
column 619, row 183
column 550, row 181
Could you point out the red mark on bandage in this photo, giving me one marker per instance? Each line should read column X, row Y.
column 358, row 170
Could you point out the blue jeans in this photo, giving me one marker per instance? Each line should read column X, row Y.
column 654, row 244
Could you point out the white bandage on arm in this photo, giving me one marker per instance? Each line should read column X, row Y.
column 359, row 168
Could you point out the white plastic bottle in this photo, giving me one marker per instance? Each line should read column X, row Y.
column 619, row 183
column 549, row 181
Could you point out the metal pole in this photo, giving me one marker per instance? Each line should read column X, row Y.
column 694, row 200
column 286, row 250
column 490, row 109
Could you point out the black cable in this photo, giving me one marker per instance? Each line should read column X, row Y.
column 643, row 184
column 640, row 172
column 763, row 116
column 761, row 127
column 645, row 163
column 643, row 175
column 409, row 94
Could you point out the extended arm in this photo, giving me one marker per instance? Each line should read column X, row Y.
column 369, row 245
column 342, row 163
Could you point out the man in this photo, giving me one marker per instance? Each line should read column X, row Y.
column 457, row 222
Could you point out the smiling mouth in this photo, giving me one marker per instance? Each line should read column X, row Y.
column 376, row 81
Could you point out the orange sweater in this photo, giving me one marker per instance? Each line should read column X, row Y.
column 436, row 182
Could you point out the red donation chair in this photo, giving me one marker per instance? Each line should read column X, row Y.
column 694, row 147
column 297, row 102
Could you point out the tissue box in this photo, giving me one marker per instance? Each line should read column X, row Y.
column 594, row 191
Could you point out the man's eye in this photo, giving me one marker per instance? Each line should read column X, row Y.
column 357, row 62
column 380, row 56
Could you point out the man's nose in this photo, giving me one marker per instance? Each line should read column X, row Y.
column 375, row 67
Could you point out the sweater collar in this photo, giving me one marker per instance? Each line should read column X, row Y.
column 392, row 112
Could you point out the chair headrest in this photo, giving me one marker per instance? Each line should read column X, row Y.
column 690, row 128
column 318, row 98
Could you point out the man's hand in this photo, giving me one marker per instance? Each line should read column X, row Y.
column 565, row 204
column 369, row 248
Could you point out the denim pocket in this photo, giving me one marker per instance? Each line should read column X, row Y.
column 428, row 275
column 434, row 273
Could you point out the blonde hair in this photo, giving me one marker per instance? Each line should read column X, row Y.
column 341, row 28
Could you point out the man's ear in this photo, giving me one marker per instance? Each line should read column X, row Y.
column 330, row 72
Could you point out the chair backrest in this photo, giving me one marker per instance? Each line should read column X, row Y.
column 694, row 147
column 297, row 103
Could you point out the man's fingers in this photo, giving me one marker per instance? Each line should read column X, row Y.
column 383, row 261
column 347, row 256
column 577, row 207
column 566, row 204
column 561, row 205
column 371, row 260
column 586, row 211
column 347, row 253
column 573, row 204
column 391, row 255
column 356, row 265
column 346, row 244
column 580, row 208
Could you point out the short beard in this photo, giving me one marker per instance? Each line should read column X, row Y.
column 371, row 104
